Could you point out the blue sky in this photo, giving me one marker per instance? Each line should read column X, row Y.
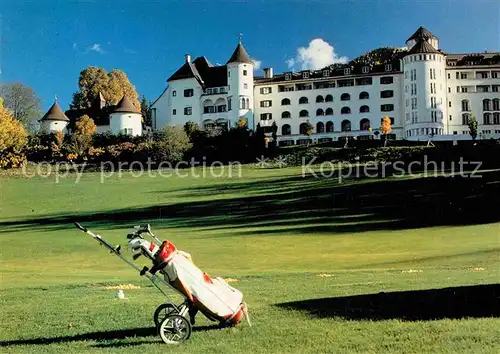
column 45, row 44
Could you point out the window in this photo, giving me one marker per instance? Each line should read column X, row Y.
column 388, row 67
column 286, row 115
column 209, row 91
column 320, row 127
column 364, row 124
column 329, row 112
column 364, row 109
column 328, row 98
column 496, row 118
column 386, row 80
column 365, row 70
column 495, row 74
column 127, row 131
column 221, row 108
column 451, row 117
column 188, row 111
column 407, row 104
column 266, row 90
column 486, row 105
column 305, row 75
column 303, row 128
column 320, row 112
column 345, row 97
column 487, row 118
column 244, row 73
column 346, row 126
column 345, row 110
column 465, row 118
column 495, row 88
column 268, row 103
column 364, row 95
column 414, row 103
column 326, row 73
column 285, row 102
column 286, row 129
column 496, row 104
column 303, row 113
column 387, row 107
column 288, row 76
column 386, row 94
column 266, row 116
column 329, row 127
column 188, row 93
column 303, row 100
column 209, row 109
column 465, row 105
column 319, row 99
column 463, row 76
column 174, row 112
column 229, row 104
column 347, row 71
column 174, row 93
column 245, row 86
column 449, row 103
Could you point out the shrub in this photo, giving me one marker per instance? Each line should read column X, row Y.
column 13, row 138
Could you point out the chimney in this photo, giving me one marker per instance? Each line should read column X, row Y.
column 188, row 58
column 268, row 73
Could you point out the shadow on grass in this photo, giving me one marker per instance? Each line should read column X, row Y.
column 306, row 205
column 417, row 305
column 102, row 336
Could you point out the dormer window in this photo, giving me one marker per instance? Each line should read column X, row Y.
column 215, row 90
column 305, row 75
column 388, row 67
column 326, row 73
column 365, row 70
column 288, row 76
column 209, row 91
column 347, row 71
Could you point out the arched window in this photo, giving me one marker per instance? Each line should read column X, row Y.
column 465, row 118
column 208, row 124
column 487, row 118
column 285, row 102
column 486, row 105
column 303, row 128
column 465, row 106
column 346, row 125
column 364, row 124
column 329, row 112
column 303, row 100
column 345, row 110
column 208, row 106
column 286, row 129
column 248, row 103
column 496, row 104
column 319, row 99
column 364, row 109
column 364, row 95
column 320, row 127
column 345, row 97
column 329, row 127
column 286, row 114
column 320, row 112
column 207, row 103
column 328, row 98
column 496, row 118
column 303, row 113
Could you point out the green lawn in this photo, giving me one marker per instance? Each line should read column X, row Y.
column 277, row 233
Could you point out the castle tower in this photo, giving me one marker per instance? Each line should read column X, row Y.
column 424, row 87
column 240, row 87
column 54, row 120
column 125, row 118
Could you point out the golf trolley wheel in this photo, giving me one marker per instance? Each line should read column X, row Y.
column 162, row 312
column 175, row 329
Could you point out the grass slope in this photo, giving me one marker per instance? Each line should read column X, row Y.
column 312, row 257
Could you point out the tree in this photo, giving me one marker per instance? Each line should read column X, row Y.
column 85, row 126
column 260, row 139
column 191, row 127
column 173, row 144
column 13, row 138
column 385, row 128
column 472, row 123
column 307, row 130
column 242, row 123
column 22, row 101
column 146, row 112
column 112, row 86
column 81, row 141
column 274, row 128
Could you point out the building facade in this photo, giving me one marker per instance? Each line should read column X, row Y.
column 426, row 92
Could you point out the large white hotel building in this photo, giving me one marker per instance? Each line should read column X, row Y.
column 426, row 92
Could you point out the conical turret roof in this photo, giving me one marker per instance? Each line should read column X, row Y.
column 125, row 106
column 240, row 55
column 423, row 46
column 55, row 113
column 421, row 33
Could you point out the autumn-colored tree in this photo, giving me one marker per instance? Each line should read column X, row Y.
column 112, row 86
column 57, row 143
column 13, row 138
column 385, row 128
column 472, row 123
column 242, row 123
column 81, row 141
column 22, row 102
column 85, row 126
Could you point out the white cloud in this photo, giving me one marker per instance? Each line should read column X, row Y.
column 75, row 47
column 96, row 47
column 316, row 56
column 256, row 64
